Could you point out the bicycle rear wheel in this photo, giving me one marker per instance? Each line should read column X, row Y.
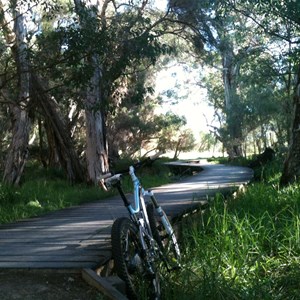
column 131, row 263
column 165, row 237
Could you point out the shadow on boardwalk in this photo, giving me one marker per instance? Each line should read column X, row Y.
column 79, row 237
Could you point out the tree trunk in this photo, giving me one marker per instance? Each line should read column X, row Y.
column 230, row 72
column 57, row 132
column 41, row 144
column 96, row 143
column 96, row 147
column 53, row 157
column 291, row 169
column 21, row 124
column 18, row 150
column 15, row 34
column 176, row 154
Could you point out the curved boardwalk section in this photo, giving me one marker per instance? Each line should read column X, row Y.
column 79, row 237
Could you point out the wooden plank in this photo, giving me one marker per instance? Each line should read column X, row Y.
column 49, row 252
column 54, row 257
column 40, row 249
column 103, row 285
column 83, row 232
column 52, row 244
column 56, row 239
column 68, row 243
column 79, row 228
column 51, row 265
column 66, row 234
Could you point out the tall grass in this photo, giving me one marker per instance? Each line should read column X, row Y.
column 41, row 195
column 43, row 190
column 243, row 248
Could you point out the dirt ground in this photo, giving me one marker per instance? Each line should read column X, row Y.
column 45, row 285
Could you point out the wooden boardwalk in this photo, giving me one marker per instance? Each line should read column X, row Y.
column 79, row 237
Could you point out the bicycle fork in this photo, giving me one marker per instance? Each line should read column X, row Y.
column 166, row 224
column 148, row 246
column 159, row 210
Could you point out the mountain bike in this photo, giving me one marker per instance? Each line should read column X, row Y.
column 144, row 242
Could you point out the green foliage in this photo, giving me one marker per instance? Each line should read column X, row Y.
column 242, row 248
column 270, row 172
column 124, row 45
column 43, row 191
column 185, row 142
column 123, row 42
column 39, row 196
column 156, row 175
column 263, row 56
column 262, row 36
column 239, row 161
column 206, row 142
column 170, row 128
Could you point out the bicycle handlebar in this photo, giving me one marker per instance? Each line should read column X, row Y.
column 156, row 155
column 109, row 179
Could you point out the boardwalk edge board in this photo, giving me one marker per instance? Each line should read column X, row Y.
column 109, row 286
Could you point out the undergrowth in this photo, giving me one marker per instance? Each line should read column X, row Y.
column 43, row 190
column 40, row 195
column 246, row 247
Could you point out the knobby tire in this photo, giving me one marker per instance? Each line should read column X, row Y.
column 131, row 263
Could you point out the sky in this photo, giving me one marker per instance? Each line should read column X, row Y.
column 193, row 104
column 161, row 4
column 194, row 107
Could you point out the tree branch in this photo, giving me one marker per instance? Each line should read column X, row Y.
column 266, row 30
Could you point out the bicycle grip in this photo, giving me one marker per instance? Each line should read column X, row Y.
column 104, row 176
column 156, row 155
column 101, row 180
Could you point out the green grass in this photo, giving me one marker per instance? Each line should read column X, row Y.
column 36, row 197
column 240, row 161
column 44, row 190
column 242, row 248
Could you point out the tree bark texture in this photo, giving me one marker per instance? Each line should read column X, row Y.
column 15, row 34
column 291, row 168
column 230, row 72
column 30, row 84
column 96, row 143
column 57, row 132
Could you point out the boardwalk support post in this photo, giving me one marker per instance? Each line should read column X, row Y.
column 109, row 286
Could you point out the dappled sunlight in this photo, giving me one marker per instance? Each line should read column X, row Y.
column 80, row 236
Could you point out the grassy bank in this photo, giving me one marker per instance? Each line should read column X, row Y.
column 243, row 248
column 43, row 190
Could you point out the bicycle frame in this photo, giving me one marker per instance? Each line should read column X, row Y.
column 139, row 203
column 150, row 235
column 138, row 207
column 138, row 191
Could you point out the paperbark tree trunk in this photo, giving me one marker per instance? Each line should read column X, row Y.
column 234, row 141
column 57, row 132
column 15, row 34
column 30, row 86
column 96, row 143
column 291, row 168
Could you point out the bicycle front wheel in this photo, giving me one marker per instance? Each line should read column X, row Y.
column 132, row 263
column 164, row 235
